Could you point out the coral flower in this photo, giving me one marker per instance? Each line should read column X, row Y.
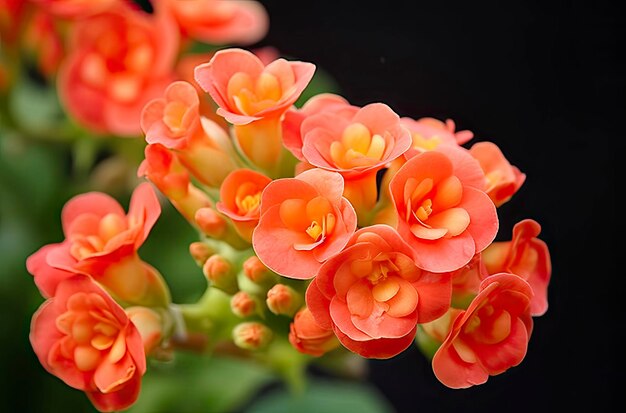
column 428, row 133
column 117, row 61
column 303, row 222
column 246, row 90
column 354, row 142
column 240, row 199
column 203, row 146
column 526, row 256
column 373, row 295
column 220, row 21
column 102, row 241
column 83, row 336
column 442, row 210
column 503, row 179
column 490, row 336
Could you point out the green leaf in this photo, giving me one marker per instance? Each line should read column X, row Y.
column 195, row 383
column 35, row 107
column 328, row 396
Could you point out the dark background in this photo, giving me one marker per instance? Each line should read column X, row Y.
column 543, row 82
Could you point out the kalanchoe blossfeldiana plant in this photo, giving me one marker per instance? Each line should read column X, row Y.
column 324, row 230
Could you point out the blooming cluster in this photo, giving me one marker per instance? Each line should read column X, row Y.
column 328, row 225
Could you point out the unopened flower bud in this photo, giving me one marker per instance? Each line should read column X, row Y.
column 210, row 222
column 220, row 273
column 200, row 252
column 242, row 304
column 150, row 326
column 252, row 335
column 256, row 271
column 283, row 300
column 308, row 337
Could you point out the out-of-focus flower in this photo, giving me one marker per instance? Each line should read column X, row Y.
column 240, row 199
column 308, row 337
column 373, row 295
column 503, row 179
column 304, row 221
column 442, row 209
column 73, row 9
column 117, row 61
column 252, row 335
column 43, row 40
column 149, row 323
column 82, row 336
column 219, row 21
column 490, row 336
column 525, row 256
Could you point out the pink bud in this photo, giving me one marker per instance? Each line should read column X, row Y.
column 242, row 304
column 210, row 222
column 252, row 335
column 283, row 300
column 256, row 271
column 219, row 272
column 200, row 252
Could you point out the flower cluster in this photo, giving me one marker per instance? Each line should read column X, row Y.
column 325, row 225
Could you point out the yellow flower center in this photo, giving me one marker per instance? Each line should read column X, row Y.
column 250, row 95
column 357, row 147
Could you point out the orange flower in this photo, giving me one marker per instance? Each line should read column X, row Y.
column 220, row 21
column 428, row 133
column 73, row 9
column 247, row 90
column 308, row 337
column 102, row 241
column 82, row 336
column 373, row 295
column 526, row 256
column 354, row 142
column 490, row 336
column 304, row 221
column 442, row 210
column 503, row 179
column 117, row 62
column 240, row 199
column 323, row 102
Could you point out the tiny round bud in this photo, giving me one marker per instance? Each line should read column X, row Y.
column 242, row 304
column 256, row 271
column 210, row 222
column 200, row 252
column 283, row 300
column 252, row 335
column 219, row 272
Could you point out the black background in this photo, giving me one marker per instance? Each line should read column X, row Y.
column 543, row 82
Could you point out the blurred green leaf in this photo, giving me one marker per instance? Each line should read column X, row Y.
column 195, row 384
column 35, row 107
column 328, row 396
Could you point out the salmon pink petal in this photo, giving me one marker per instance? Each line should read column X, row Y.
column 275, row 248
column 329, row 122
column 119, row 399
column 454, row 220
column 109, row 376
column 509, row 353
column 144, row 210
column 292, row 139
column 435, row 293
column 319, row 305
column 359, row 299
column 328, row 184
column 381, row 325
column 281, row 190
column 445, row 255
column 342, row 320
column 46, row 277
column 484, row 222
column 214, row 75
column 383, row 348
column 96, row 203
column 341, row 234
column 455, row 373
column 152, row 114
column 466, row 167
